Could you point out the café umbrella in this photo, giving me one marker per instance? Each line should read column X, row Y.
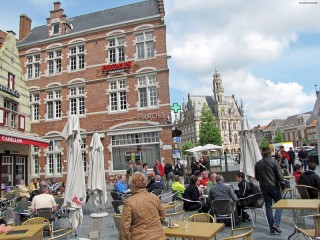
column 96, row 177
column 75, row 191
column 250, row 152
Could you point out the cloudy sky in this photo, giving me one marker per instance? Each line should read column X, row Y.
column 266, row 51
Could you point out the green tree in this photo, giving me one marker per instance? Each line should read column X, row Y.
column 278, row 137
column 209, row 132
column 186, row 146
column 264, row 143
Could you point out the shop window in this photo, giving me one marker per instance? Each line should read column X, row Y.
column 35, row 161
column 118, row 95
column 116, row 50
column 145, row 45
column 76, row 98
column 33, row 66
column 147, row 87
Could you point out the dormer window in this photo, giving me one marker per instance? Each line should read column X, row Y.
column 55, row 28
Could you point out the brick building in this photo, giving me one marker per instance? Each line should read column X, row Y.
column 15, row 136
column 108, row 67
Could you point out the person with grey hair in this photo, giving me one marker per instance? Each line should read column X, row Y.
column 43, row 200
column 210, row 184
column 23, row 190
column 221, row 191
column 157, row 184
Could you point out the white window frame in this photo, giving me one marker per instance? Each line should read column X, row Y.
column 34, row 106
column 54, row 160
column 54, row 99
column 33, row 66
column 10, row 114
column 118, row 101
column 35, row 154
column 53, row 28
column 54, row 62
column 76, row 55
column 148, row 83
column 145, row 45
column 77, row 97
column 116, row 49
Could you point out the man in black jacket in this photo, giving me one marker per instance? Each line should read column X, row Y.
column 269, row 174
column 310, row 178
column 243, row 191
column 292, row 158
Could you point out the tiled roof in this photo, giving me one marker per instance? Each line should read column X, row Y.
column 103, row 18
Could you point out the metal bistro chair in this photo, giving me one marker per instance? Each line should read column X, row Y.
column 169, row 197
column 245, row 235
column 116, row 195
column 157, row 192
column 174, row 217
column 24, row 205
column 125, row 196
column 313, row 233
column 46, row 213
column 116, row 206
column 304, row 191
column 224, row 209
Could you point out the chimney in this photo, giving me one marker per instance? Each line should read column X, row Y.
column 25, row 26
column 56, row 5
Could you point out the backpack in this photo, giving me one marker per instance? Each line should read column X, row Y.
column 254, row 188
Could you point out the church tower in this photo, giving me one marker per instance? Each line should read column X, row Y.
column 218, row 88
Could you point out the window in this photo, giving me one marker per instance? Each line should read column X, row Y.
column 234, row 124
column 147, row 91
column 118, row 95
column 145, row 45
column 223, row 125
column 33, row 66
column 10, row 114
column 34, row 106
column 116, row 50
column 53, row 104
column 54, row 163
column 76, row 98
column 35, row 161
column 77, row 57
column 84, row 155
column 11, row 78
column 235, row 137
column 54, row 61
column 55, row 28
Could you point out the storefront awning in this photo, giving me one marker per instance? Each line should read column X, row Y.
column 22, row 138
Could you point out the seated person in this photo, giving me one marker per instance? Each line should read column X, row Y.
column 34, row 185
column 4, row 227
column 157, row 184
column 297, row 171
column 152, row 179
column 204, row 179
column 210, row 184
column 23, row 190
column 43, row 200
column 120, row 185
column 177, row 186
column 244, row 191
column 310, row 178
column 192, row 193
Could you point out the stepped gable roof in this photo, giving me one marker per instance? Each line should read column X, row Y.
column 99, row 19
column 295, row 120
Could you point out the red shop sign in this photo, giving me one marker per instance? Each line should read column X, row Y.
column 22, row 141
column 116, row 67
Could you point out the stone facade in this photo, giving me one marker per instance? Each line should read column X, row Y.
column 225, row 109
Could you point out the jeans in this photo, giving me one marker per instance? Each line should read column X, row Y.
column 304, row 163
column 269, row 194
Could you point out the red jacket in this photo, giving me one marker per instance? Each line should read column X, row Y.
column 158, row 169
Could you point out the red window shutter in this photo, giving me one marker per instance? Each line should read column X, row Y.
column 22, row 123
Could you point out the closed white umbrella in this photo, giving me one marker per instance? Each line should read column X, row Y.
column 250, row 152
column 96, row 177
column 316, row 111
column 75, row 191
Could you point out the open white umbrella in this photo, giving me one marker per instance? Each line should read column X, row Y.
column 75, row 192
column 195, row 149
column 250, row 152
column 96, row 177
column 211, row 147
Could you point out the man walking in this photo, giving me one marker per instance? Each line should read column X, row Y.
column 269, row 175
column 292, row 158
column 303, row 157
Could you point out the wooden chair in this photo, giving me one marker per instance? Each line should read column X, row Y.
column 245, row 236
column 39, row 220
column 311, row 233
column 201, row 217
column 117, row 222
column 304, row 191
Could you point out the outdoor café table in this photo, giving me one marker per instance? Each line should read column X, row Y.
column 33, row 232
column 288, row 177
column 200, row 230
column 297, row 204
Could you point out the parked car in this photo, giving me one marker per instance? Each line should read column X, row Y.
column 297, row 149
column 216, row 161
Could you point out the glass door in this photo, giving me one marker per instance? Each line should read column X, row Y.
column 7, row 170
column 20, row 170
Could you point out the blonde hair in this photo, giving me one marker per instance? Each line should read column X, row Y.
column 138, row 181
